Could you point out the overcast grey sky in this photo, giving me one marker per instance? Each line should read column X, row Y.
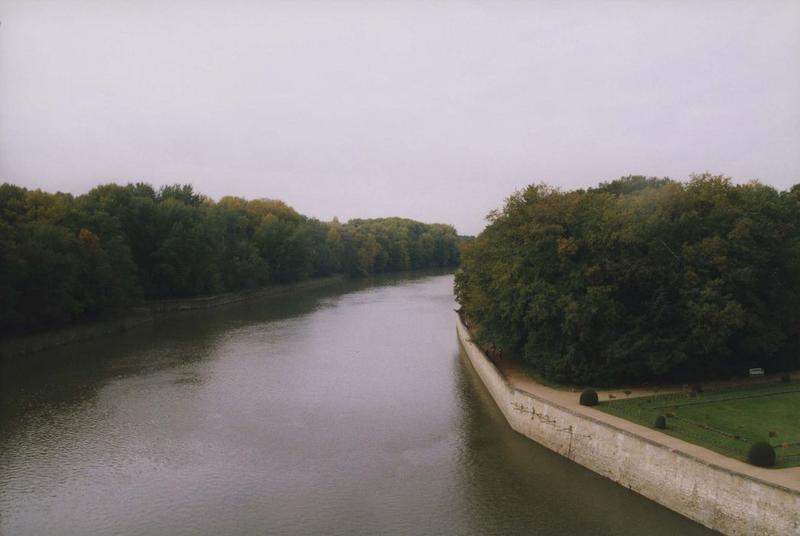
column 431, row 110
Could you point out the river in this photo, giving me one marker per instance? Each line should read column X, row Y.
column 339, row 410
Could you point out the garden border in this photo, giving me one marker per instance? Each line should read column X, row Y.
column 682, row 477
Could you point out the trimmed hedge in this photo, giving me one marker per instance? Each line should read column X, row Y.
column 589, row 398
column 661, row 422
column 761, row 454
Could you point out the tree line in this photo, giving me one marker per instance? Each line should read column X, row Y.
column 639, row 280
column 65, row 257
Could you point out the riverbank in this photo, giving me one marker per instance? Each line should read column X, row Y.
column 721, row 493
column 270, row 417
column 145, row 314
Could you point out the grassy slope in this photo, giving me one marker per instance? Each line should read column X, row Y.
column 725, row 421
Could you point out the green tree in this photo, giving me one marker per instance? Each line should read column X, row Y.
column 639, row 279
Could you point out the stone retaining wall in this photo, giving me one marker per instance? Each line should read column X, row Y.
column 721, row 499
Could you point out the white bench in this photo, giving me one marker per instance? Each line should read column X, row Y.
column 756, row 371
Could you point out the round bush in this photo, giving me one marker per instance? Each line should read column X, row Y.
column 661, row 422
column 589, row 398
column 761, row 454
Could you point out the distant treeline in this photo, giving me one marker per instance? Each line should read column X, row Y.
column 65, row 257
column 640, row 279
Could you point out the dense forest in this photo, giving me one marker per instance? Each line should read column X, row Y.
column 640, row 279
column 65, row 257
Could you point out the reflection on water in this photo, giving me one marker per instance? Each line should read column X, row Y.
column 515, row 486
column 337, row 410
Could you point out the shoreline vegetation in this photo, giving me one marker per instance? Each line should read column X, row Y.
column 142, row 314
column 726, row 416
column 721, row 492
column 149, row 311
column 67, row 260
column 639, row 281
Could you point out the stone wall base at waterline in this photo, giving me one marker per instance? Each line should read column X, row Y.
column 726, row 499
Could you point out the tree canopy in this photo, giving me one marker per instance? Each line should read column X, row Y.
column 65, row 257
column 639, row 279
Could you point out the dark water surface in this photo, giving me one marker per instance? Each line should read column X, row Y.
column 339, row 410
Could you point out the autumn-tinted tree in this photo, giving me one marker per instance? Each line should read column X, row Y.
column 64, row 258
column 640, row 279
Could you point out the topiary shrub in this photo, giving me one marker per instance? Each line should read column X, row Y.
column 761, row 454
column 661, row 422
column 589, row 398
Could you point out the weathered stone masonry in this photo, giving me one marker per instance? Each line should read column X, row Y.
column 721, row 499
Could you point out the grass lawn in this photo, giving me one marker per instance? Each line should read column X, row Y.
column 725, row 421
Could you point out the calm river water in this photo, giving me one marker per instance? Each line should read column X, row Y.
column 341, row 410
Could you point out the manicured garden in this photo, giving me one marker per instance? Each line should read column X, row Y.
column 727, row 421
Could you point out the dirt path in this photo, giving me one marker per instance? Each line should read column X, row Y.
column 516, row 376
